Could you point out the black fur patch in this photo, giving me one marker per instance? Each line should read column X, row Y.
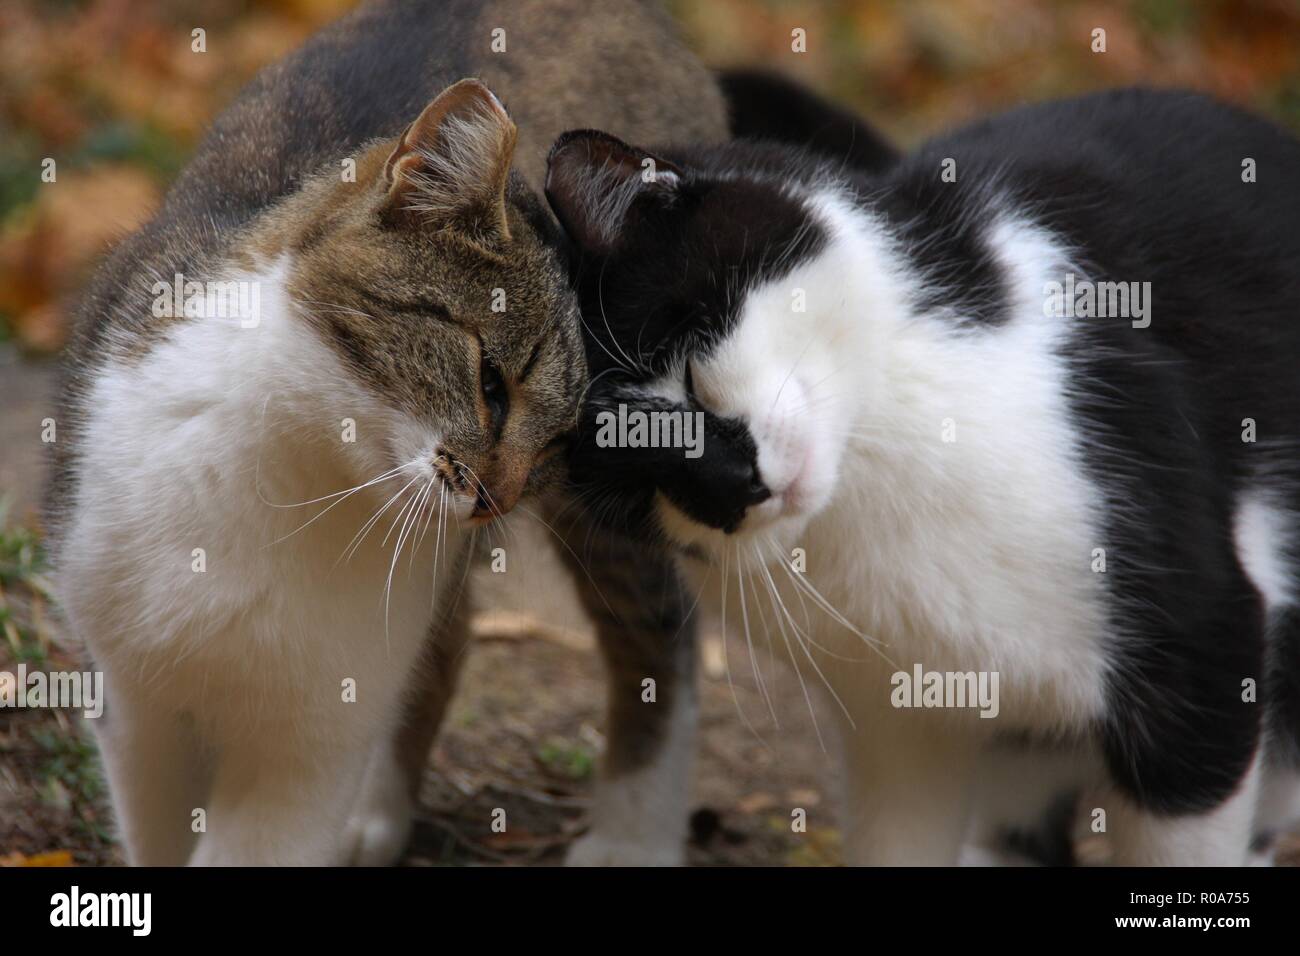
column 676, row 282
column 765, row 105
column 672, row 288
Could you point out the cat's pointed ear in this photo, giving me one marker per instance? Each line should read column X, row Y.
column 453, row 162
column 599, row 186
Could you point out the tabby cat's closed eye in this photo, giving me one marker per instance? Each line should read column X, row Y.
column 495, row 394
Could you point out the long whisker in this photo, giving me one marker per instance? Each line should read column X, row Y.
column 401, row 511
column 439, row 539
column 428, row 518
column 785, row 381
column 726, row 658
column 565, row 544
column 806, row 586
column 417, row 537
column 600, row 295
column 321, row 306
column 482, row 489
column 762, row 616
column 794, row 661
column 328, row 508
column 346, row 491
column 397, row 554
column 744, row 615
column 825, row 605
column 803, row 640
column 686, row 618
column 351, row 547
column 806, row 630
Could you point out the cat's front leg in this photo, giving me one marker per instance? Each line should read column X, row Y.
column 640, row 807
column 908, row 791
column 155, row 775
column 282, row 794
column 380, row 824
column 1025, row 803
column 1138, row 835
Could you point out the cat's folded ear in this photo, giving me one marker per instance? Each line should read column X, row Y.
column 600, row 187
column 452, row 164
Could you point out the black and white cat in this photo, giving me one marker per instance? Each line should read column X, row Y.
column 1021, row 413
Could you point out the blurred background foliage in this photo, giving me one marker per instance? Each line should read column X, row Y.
column 112, row 91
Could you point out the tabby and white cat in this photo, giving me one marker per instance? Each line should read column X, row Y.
column 991, row 462
column 336, row 349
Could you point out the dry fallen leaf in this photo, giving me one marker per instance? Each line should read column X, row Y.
column 714, row 656
column 512, row 626
column 51, row 858
column 755, row 802
column 48, row 251
column 804, row 797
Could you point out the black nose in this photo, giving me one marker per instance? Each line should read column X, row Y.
column 734, row 480
column 757, row 492
column 715, row 487
column 722, row 487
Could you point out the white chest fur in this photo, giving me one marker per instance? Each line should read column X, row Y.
column 183, row 555
column 962, row 530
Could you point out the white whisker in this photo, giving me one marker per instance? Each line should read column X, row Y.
column 726, row 658
column 744, row 614
column 348, row 493
column 352, row 546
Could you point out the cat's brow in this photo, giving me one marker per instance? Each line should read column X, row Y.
column 532, row 361
column 425, row 307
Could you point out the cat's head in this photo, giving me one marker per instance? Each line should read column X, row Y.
column 434, row 276
column 709, row 286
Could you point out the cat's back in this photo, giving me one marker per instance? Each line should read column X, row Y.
column 1156, row 179
column 1191, row 198
column 1132, row 134
column 370, row 73
column 616, row 63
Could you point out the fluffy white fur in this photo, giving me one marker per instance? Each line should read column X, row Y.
column 225, row 687
column 931, row 475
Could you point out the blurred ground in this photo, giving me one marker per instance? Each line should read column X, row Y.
column 111, row 90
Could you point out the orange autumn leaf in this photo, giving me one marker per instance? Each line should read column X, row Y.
column 50, row 858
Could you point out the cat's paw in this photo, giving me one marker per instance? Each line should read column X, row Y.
column 596, row 849
column 380, row 826
column 376, row 840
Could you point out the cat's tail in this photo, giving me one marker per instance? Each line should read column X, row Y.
column 765, row 105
